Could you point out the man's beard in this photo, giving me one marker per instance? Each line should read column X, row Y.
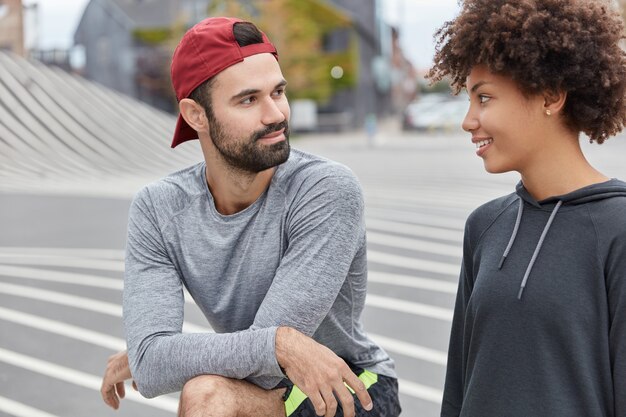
column 248, row 155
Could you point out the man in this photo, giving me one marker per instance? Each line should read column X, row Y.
column 269, row 242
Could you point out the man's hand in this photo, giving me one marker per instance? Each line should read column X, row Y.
column 319, row 373
column 117, row 371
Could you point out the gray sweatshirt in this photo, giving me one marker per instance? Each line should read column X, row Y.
column 296, row 257
column 539, row 326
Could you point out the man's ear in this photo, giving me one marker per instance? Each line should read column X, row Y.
column 194, row 115
column 554, row 101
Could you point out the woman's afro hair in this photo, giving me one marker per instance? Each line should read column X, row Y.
column 544, row 46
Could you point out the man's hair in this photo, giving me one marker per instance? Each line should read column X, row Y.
column 245, row 33
column 567, row 46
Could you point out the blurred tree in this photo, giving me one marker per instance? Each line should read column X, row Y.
column 302, row 31
column 318, row 48
column 442, row 86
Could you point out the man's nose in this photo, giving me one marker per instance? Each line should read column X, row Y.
column 272, row 112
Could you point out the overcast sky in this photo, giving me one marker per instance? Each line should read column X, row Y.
column 417, row 20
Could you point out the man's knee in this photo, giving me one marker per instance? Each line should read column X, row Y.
column 205, row 396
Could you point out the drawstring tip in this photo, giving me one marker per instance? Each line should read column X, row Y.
column 519, row 295
column 502, row 262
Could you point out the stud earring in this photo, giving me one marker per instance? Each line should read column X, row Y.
column 548, row 112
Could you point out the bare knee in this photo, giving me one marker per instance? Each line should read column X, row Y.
column 207, row 396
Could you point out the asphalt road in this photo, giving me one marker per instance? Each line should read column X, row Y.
column 61, row 248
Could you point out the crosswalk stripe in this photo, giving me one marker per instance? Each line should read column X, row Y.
column 420, row 391
column 412, row 216
column 104, row 265
column 419, row 309
column 14, row 408
column 451, row 269
column 63, row 329
column 412, row 282
column 414, row 244
column 113, row 254
column 79, row 302
column 75, row 377
column 416, row 230
column 62, row 277
column 55, row 297
column 410, row 349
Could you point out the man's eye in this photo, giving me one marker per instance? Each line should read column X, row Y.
column 248, row 100
column 279, row 92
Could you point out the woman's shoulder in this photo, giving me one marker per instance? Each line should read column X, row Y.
column 491, row 210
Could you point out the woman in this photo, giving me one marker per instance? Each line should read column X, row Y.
column 540, row 320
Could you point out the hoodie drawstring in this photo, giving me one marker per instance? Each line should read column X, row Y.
column 538, row 248
column 539, row 244
column 520, row 210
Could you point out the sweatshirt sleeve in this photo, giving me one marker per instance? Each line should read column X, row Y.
column 325, row 230
column 455, row 371
column 161, row 357
column 616, row 288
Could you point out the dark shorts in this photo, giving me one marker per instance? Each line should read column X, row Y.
column 382, row 389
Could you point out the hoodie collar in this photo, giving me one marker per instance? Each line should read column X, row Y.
column 600, row 191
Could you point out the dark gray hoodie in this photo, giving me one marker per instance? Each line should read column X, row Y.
column 539, row 327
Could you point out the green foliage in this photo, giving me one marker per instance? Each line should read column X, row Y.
column 154, row 36
column 297, row 28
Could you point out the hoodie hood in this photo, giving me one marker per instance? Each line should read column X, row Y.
column 594, row 192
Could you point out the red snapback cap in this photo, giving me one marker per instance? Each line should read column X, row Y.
column 207, row 49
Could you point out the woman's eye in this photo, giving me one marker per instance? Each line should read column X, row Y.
column 483, row 98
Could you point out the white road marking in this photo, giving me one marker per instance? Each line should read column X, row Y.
column 414, row 244
column 75, row 377
column 417, row 230
column 83, row 303
column 114, row 254
column 13, row 408
column 409, row 349
column 63, row 277
column 412, row 282
column 419, row 309
column 414, row 263
column 420, row 391
column 104, row 265
column 63, row 329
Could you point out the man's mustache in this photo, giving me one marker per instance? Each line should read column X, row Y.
column 271, row 129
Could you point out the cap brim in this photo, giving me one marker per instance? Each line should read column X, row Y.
column 183, row 132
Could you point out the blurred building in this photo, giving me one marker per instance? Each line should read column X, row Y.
column 116, row 36
column 371, row 95
column 12, row 26
column 120, row 52
column 404, row 76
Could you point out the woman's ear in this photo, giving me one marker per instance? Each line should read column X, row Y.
column 194, row 115
column 554, row 102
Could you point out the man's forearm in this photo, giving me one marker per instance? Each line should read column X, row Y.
column 165, row 363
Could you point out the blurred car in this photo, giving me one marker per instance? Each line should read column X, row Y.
column 435, row 112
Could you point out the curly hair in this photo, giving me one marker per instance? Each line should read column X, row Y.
column 544, row 46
